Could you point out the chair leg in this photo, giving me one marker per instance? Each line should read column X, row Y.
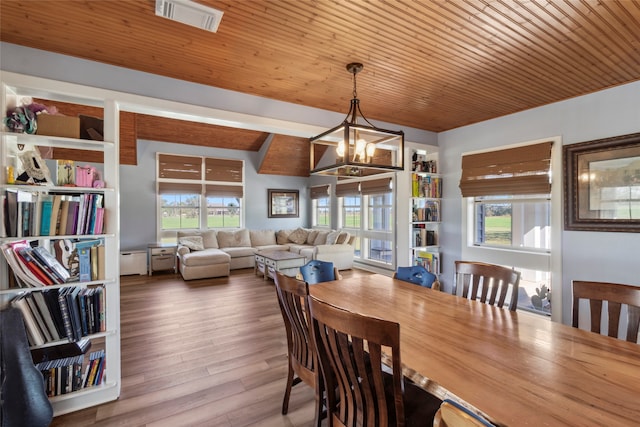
column 321, row 413
column 287, row 391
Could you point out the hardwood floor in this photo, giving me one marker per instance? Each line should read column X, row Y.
column 201, row 353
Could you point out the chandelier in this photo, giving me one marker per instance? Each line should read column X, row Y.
column 357, row 148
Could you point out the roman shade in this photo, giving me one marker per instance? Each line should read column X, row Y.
column 224, row 170
column 519, row 170
column 376, row 186
column 179, row 188
column 179, row 167
column 347, row 189
column 320, row 191
column 224, row 191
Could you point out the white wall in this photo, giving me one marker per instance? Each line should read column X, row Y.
column 585, row 255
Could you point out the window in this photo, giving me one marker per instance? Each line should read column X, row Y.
column 351, row 212
column 379, row 227
column 180, row 211
column 223, row 212
column 321, row 206
column 509, row 216
column 366, row 210
column 516, row 223
column 198, row 193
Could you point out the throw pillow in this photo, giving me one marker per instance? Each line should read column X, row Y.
column 343, row 238
column 194, row 243
column 321, row 239
column 299, row 236
column 332, row 237
column 311, row 237
column 282, row 237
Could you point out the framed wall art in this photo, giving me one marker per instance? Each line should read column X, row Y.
column 602, row 184
column 284, row 203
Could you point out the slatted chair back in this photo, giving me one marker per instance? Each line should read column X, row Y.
column 488, row 283
column 316, row 271
column 453, row 414
column 416, row 274
column 303, row 363
column 616, row 295
column 350, row 351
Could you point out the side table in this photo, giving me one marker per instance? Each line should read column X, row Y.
column 162, row 256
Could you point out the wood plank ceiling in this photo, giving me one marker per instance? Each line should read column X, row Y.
column 432, row 65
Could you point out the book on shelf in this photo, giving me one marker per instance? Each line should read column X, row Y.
column 72, row 217
column 423, row 236
column 30, row 213
column 51, row 298
column 52, row 262
column 46, row 314
column 60, row 351
column 95, row 372
column 62, row 376
column 54, row 218
column 426, row 186
column 426, row 210
column 34, row 266
column 45, row 217
column 63, row 217
column 34, row 334
column 86, row 260
column 22, row 274
column 11, row 213
column 429, row 260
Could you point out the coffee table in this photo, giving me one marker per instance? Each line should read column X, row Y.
column 287, row 263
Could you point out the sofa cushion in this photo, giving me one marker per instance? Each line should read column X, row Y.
column 311, row 237
column 234, row 239
column 241, row 251
column 295, row 248
column 205, row 257
column 299, row 236
column 194, row 243
column 321, row 239
column 262, row 237
column 332, row 237
column 307, row 252
column 282, row 237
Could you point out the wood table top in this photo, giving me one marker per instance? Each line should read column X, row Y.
column 516, row 367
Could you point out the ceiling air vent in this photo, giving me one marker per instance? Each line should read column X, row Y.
column 190, row 13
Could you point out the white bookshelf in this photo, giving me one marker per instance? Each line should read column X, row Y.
column 14, row 88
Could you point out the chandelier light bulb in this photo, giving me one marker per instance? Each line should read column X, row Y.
column 340, row 149
column 371, row 149
column 360, row 146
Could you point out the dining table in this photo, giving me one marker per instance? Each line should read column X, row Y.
column 514, row 367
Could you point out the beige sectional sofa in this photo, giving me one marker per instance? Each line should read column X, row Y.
column 211, row 253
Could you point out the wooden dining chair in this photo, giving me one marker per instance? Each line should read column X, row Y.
column 417, row 275
column 303, row 361
column 488, row 283
column 616, row 295
column 350, row 355
column 316, row 271
column 453, row 414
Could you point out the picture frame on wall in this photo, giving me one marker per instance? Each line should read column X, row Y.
column 602, row 184
column 284, row 203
